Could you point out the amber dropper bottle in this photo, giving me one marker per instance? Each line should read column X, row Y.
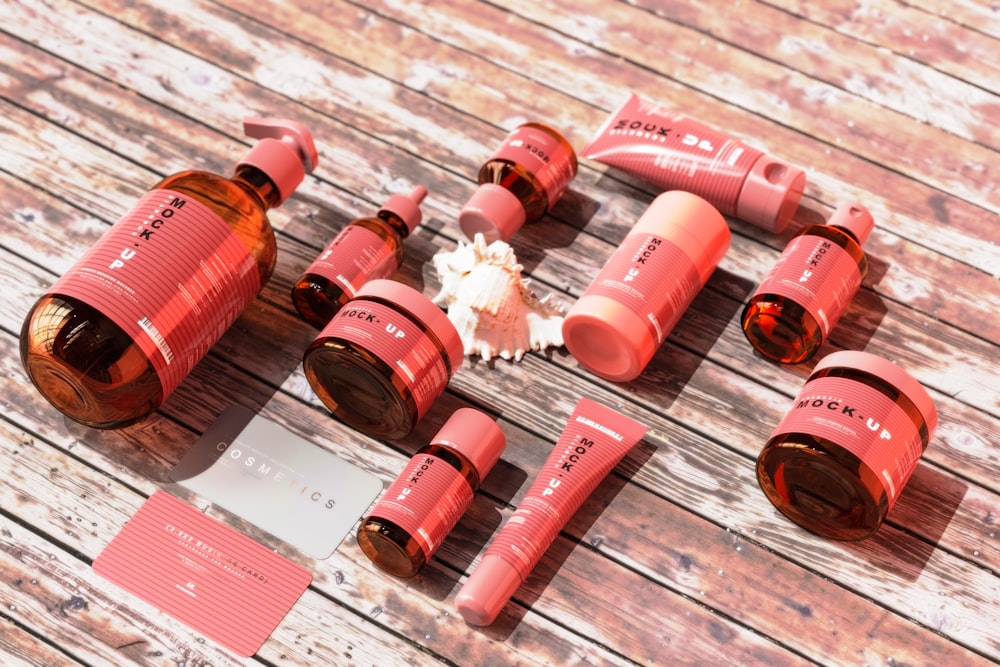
column 791, row 313
column 118, row 332
column 366, row 249
column 423, row 504
column 520, row 182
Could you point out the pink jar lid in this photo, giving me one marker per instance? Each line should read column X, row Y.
column 422, row 308
column 475, row 435
column 771, row 194
column 889, row 372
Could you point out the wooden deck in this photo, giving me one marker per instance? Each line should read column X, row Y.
column 678, row 559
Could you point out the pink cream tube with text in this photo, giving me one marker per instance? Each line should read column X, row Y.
column 593, row 442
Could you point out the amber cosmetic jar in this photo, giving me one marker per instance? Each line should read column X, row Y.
column 383, row 359
column 840, row 457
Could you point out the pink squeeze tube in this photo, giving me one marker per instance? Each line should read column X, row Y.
column 594, row 440
column 673, row 152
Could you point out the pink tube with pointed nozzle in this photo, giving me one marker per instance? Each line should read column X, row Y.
column 594, row 441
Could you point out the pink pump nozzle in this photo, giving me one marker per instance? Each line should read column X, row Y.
column 407, row 207
column 855, row 218
column 285, row 152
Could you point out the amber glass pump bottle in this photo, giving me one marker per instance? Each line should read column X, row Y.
column 115, row 335
column 366, row 249
column 794, row 308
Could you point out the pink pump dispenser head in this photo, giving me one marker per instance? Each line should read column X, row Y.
column 770, row 194
column 407, row 207
column 285, row 152
column 854, row 219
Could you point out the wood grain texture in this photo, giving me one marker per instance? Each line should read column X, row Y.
column 677, row 558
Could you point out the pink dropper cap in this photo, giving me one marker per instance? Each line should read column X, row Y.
column 770, row 194
column 407, row 207
column 853, row 218
column 487, row 590
column 493, row 211
column 285, row 152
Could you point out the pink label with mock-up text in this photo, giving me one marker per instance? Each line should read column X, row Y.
column 172, row 275
column 652, row 277
column 355, row 256
column 399, row 342
column 862, row 420
column 543, row 154
column 426, row 500
column 818, row 275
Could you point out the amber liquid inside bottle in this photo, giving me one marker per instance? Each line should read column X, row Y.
column 85, row 364
column 782, row 329
column 521, row 182
column 393, row 548
column 822, row 486
column 317, row 298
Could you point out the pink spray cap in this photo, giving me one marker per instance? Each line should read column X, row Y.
column 493, row 211
column 407, row 207
column 884, row 369
column 770, row 194
column 854, row 218
column 285, row 152
column 475, row 435
column 487, row 590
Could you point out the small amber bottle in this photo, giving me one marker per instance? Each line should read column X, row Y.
column 383, row 359
column 431, row 494
column 840, row 457
column 114, row 336
column 366, row 249
column 519, row 183
column 791, row 313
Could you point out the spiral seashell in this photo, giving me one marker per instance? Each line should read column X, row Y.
column 490, row 304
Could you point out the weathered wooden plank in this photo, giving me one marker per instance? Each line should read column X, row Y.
column 23, row 649
column 935, row 40
column 974, row 15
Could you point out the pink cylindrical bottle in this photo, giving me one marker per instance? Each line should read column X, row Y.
column 673, row 152
column 366, row 249
column 519, row 183
column 431, row 494
column 792, row 311
column 116, row 334
column 383, row 359
column 628, row 310
column 843, row 452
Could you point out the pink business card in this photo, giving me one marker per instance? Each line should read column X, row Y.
column 201, row 571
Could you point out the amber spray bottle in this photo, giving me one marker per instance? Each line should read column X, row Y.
column 431, row 494
column 115, row 335
column 520, row 182
column 366, row 249
column 791, row 313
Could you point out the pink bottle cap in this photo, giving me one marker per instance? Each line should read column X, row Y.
column 889, row 372
column 487, row 591
column 475, row 435
column 493, row 211
column 855, row 219
column 285, row 152
column 422, row 308
column 770, row 194
column 407, row 207
column 611, row 339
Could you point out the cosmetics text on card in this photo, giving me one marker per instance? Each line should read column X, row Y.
column 790, row 314
column 520, row 182
column 840, row 457
column 429, row 496
column 114, row 336
column 383, row 359
column 366, row 249
column 674, row 152
column 633, row 303
column 491, row 305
